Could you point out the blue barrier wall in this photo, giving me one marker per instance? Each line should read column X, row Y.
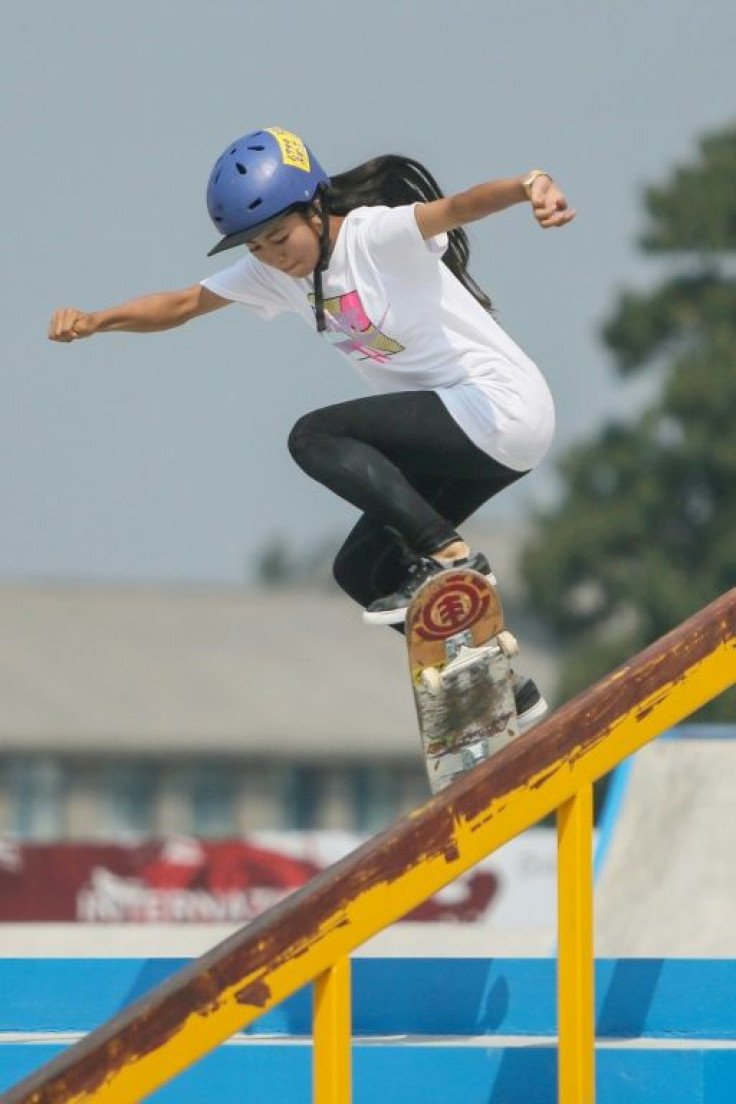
column 459, row 1015
column 657, row 998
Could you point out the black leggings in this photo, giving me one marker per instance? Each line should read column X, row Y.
column 404, row 461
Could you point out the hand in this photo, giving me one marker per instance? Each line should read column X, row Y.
column 69, row 324
column 549, row 204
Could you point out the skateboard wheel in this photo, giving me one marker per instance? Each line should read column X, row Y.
column 508, row 644
column 431, row 679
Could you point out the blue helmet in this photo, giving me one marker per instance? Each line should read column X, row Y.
column 258, row 179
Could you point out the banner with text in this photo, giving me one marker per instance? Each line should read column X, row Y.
column 188, row 880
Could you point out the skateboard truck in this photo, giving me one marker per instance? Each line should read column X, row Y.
column 462, row 653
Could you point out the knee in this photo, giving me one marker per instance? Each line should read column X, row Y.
column 371, row 568
column 350, row 575
column 301, row 434
column 307, row 434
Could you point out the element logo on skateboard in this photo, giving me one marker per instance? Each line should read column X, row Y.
column 459, row 604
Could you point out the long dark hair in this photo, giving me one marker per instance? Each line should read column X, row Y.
column 392, row 181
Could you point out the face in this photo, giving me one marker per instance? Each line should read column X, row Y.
column 292, row 245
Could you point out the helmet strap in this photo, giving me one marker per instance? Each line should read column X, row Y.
column 325, row 250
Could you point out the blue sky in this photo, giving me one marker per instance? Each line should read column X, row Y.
column 163, row 458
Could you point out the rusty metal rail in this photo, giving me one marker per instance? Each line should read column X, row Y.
column 311, row 934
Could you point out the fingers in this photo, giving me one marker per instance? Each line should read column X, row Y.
column 61, row 327
column 549, row 205
column 67, row 325
column 552, row 210
column 557, row 218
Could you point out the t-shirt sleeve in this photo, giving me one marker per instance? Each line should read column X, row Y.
column 394, row 241
column 244, row 282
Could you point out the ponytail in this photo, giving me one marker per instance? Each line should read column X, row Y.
column 393, row 181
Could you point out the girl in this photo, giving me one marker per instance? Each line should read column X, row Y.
column 378, row 257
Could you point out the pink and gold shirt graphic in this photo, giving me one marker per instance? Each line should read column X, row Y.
column 345, row 315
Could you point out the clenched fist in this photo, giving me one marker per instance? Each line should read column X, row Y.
column 69, row 324
column 549, row 204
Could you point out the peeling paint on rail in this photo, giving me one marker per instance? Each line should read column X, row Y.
column 230, row 986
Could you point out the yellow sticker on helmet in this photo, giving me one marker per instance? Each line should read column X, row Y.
column 293, row 150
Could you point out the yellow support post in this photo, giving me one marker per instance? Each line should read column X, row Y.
column 575, row 999
column 332, row 1035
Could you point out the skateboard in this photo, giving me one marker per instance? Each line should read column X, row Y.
column 459, row 658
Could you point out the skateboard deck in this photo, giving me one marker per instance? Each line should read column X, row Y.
column 459, row 658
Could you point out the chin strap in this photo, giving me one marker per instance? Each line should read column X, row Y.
column 324, row 259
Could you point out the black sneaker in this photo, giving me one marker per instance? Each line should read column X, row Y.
column 391, row 610
column 530, row 705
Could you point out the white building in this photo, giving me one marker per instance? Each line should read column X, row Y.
column 131, row 710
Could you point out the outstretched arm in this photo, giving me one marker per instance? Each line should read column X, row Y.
column 147, row 314
column 549, row 204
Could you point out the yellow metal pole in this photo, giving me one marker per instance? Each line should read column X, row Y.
column 332, row 1035
column 575, row 1000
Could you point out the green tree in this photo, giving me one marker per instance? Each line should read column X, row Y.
column 645, row 532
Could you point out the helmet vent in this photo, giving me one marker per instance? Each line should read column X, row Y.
column 241, row 168
column 254, row 204
column 259, row 148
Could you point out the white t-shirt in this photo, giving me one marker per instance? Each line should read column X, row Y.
column 407, row 324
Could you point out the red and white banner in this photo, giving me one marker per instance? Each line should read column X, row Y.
column 188, row 880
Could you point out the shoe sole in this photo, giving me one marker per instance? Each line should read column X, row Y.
column 398, row 616
column 385, row 617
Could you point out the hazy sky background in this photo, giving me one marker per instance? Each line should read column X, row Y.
column 163, row 457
